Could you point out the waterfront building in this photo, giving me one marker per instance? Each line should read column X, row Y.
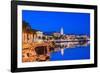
column 56, row 34
column 28, row 34
column 39, row 34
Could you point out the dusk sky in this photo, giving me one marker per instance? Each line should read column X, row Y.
column 47, row 21
column 72, row 23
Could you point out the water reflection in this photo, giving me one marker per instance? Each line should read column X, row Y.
column 61, row 45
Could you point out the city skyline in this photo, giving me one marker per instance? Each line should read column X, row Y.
column 51, row 36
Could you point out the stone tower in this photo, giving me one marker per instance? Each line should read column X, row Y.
column 62, row 31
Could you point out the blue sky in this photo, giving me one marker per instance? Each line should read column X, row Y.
column 73, row 23
column 47, row 21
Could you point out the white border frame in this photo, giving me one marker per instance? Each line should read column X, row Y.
column 53, row 63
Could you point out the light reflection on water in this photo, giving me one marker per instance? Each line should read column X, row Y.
column 75, row 53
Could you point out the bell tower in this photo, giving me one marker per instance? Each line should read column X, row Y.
column 61, row 31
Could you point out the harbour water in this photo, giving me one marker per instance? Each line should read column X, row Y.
column 76, row 53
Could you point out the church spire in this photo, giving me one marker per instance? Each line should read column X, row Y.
column 62, row 31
